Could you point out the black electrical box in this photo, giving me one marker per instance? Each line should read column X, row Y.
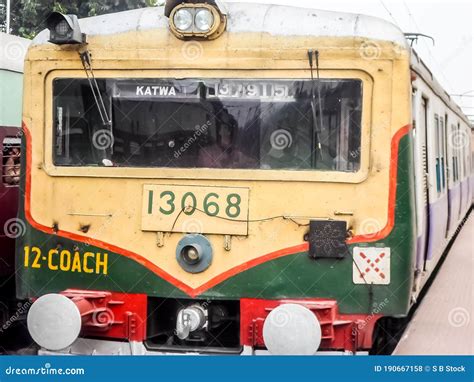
column 327, row 239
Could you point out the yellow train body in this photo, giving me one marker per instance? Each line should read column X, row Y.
column 110, row 200
column 120, row 232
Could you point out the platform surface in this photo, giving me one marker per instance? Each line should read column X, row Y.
column 444, row 321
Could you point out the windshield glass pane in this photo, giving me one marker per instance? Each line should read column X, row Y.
column 210, row 123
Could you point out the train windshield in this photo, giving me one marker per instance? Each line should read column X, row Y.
column 210, row 123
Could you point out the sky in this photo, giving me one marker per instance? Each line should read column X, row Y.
column 450, row 23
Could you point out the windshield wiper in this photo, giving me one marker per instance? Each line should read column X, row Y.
column 316, row 143
column 87, row 64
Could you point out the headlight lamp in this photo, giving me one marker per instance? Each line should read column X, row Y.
column 200, row 20
column 183, row 19
column 62, row 28
column 203, row 20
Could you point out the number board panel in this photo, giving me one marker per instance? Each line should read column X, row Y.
column 195, row 209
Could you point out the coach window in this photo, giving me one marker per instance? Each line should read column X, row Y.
column 466, row 160
column 462, row 167
column 10, row 161
column 437, row 153
column 442, row 152
column 459, row 157
column 265, row 124
column 414, row 108
column 454, row 156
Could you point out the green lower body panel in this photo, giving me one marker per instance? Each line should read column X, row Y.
column 291, row 276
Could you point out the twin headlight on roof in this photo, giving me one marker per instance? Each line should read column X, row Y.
column 197, row 20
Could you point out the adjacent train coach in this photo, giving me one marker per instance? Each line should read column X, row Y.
column 12, row 55
column 231, row 178
column 443, row 167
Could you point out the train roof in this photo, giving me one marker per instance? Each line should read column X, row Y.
column 422, row 70
column 279, row 20
column 12, row 54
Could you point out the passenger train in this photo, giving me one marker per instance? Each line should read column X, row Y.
column 228, row 178
column 12, row 55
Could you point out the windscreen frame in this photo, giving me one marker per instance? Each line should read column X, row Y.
column 214, row 173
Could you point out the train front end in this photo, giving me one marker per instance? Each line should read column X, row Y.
column 203, row 179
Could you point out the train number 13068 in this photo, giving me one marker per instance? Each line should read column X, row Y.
column 188, row 203
column 216, row 209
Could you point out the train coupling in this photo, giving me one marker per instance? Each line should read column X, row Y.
column 190, row 319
